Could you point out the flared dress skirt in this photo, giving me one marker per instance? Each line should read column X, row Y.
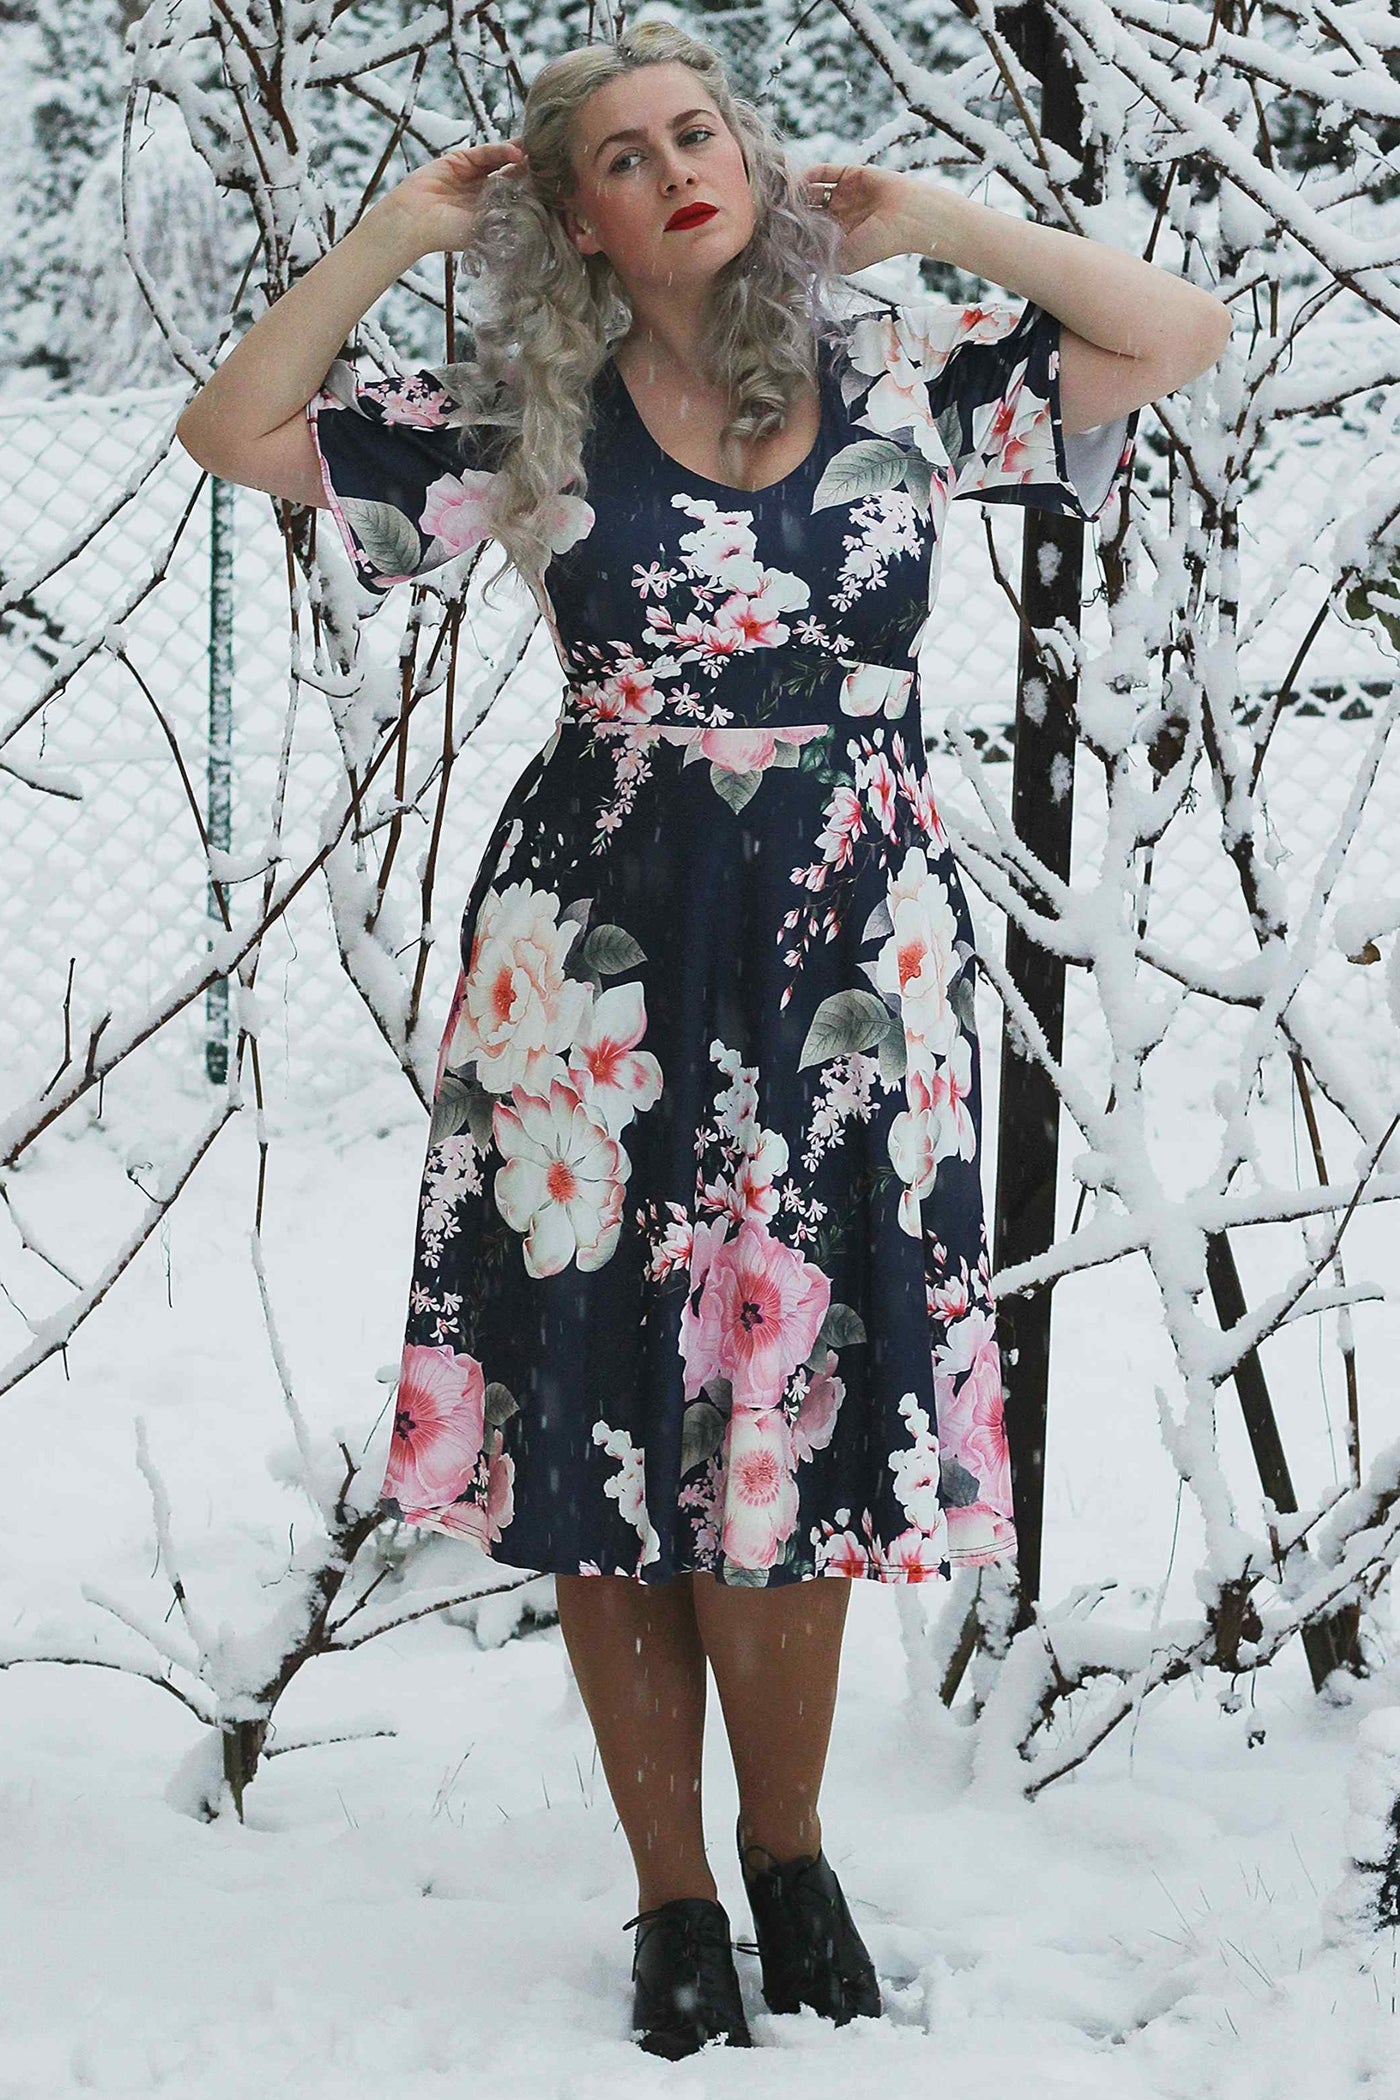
column 701, row 1277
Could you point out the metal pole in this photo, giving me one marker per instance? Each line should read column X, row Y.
column 219, row 781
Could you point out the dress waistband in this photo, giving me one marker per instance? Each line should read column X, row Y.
column 794, row 688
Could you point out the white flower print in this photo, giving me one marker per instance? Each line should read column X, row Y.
column 653, row 577
column 916, row 1476
column 519, row 1010
column 888, row 526
column 867, row 688
column 628, row 1487
column 452, row 1171
column 899, row 399
column 918, row 960
column 936, row 1125
column 846, row 1084
column 562, row 1182
column 615, row 1080
column 756, row 1157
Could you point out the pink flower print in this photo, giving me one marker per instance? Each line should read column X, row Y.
column 920, row 793
column 456, row 509
column 971, row 1415
column 761, row 1310
column 913, row 1557
column 500, row 1503
column 439, row 1425
column 567, row 520
column 739, row 750
column 699, row 1342
column 628, row 695
column 949, row 1090
column 671, row 1249
column 697, row 641
column 1016, row 430
column 760, row 1488
column 483, row 1526
column 817, row 1416
column 875, row 777
column 752, row 621
column 754, row 1192
column 520, row 1009
column 979, row 1534
column 563, row 1181
column 950, row 1299
column 845, row 821
column 412, row 399
column 615, row 1081
column 843, row 1554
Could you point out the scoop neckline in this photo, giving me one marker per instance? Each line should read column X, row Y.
column 730, row 489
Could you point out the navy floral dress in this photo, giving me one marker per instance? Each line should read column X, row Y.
column 701, row 1277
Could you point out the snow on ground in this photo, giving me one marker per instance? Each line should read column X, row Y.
column 440, row 1911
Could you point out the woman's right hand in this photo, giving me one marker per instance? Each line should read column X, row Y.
column 436, row 205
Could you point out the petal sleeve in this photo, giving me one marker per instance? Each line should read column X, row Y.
column 404, row 485
column 995, row 395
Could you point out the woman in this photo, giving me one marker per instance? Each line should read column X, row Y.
column 700, row 1305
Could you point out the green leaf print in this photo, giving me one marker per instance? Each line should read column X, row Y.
column 500, row 1403
column 702, row 1433
column 842, row 1327
column 745, row 1578
column 610, row 949
column 843, row 1023
column 452, row 1109
column 918, row 477
column 894, row 1057
column 387, row 534
column 862, row 469
column 879, row 926
column 734, row 788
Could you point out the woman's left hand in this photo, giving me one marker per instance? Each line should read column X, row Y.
column 876, row 209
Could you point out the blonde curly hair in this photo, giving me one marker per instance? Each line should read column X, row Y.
column 544, row 318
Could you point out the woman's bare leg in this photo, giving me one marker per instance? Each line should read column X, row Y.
column 636, row 1654
column 776, row 1657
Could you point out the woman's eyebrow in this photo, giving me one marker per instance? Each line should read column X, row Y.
column 613, row 136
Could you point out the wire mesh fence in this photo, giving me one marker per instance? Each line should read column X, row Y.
column 104, row 896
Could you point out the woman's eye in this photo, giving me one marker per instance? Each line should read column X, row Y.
column 697, row 131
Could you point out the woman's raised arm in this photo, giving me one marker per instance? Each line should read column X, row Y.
column 248, row 423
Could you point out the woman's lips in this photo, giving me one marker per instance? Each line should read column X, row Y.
column 691, row 215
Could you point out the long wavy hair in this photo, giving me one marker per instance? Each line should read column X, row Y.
column 544, row 318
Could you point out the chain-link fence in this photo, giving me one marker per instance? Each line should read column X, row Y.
column 104, row 899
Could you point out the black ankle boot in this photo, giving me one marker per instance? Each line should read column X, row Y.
column 687, row 1988
column 808, row 1947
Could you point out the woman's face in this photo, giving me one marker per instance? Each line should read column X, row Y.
column 645, row 146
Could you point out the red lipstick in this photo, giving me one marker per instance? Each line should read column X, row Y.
column 690, row 215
